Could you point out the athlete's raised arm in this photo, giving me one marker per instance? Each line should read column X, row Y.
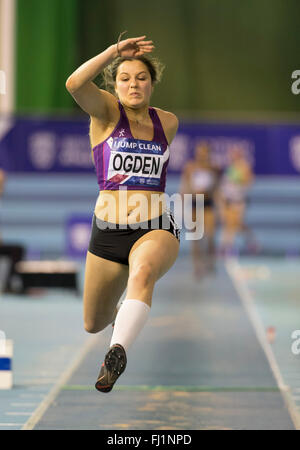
column 94, row 101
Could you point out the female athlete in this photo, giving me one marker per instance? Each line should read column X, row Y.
column 232, row 198
column 134, row 239
column 201, row 176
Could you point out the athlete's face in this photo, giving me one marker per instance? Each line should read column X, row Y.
column 133, row 84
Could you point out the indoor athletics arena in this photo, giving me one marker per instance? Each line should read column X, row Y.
column 219, row 346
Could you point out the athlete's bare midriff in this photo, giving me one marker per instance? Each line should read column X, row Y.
column 126, row 206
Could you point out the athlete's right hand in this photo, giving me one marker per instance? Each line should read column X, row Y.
column 134, row 47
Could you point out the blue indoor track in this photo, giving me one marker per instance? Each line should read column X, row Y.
column 202, row 362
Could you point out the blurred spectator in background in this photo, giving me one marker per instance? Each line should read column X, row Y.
column 2, row 181
column 200, row 176
column 232, row 199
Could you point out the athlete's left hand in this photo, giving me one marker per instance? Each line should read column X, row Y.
column 134, row 47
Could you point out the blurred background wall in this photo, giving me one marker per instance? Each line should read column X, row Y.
column 223, row 57
column 228, row 77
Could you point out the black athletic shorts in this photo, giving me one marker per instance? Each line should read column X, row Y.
column 114, row 241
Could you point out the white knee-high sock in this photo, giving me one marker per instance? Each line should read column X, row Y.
column 130, row 320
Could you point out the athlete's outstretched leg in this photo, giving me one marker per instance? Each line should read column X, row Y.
column 150, row 258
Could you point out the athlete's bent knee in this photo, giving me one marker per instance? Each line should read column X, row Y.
column 94, row 327
column 143, row 274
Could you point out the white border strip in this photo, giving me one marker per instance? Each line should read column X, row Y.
column 7, row 53
column 42, row 408
column 233, row 268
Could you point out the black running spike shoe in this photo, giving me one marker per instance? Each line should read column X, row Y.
column 114, row 365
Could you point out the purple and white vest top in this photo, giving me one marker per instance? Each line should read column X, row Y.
column 122, row 160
